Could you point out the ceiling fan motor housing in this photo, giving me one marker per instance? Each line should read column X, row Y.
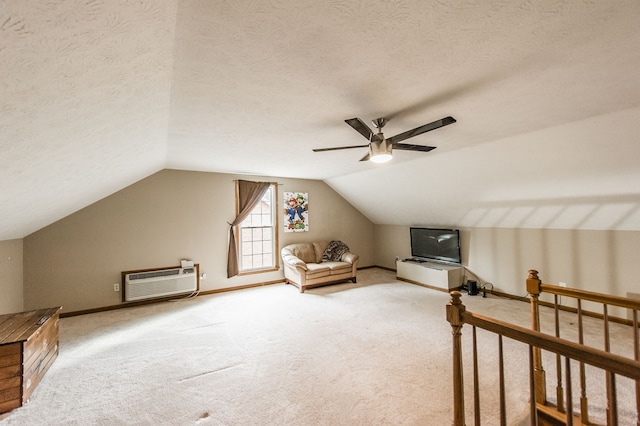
column 379, row 123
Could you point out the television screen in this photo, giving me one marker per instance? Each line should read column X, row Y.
column 441, row 245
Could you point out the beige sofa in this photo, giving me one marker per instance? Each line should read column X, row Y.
column 304, row 268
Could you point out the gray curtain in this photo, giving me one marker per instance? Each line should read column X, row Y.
column 249, row 195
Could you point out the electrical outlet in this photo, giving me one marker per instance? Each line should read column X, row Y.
column 116, row 287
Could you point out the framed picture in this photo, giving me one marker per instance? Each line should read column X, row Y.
column 296, row 212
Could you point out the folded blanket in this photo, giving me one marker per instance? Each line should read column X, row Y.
column 334, row 251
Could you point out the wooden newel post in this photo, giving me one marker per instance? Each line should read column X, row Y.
column 454, row 310
column 533, row 288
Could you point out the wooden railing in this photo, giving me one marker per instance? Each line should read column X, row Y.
column 536, row 288
column 457, row 315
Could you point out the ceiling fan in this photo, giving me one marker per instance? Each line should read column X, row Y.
column 380, row 149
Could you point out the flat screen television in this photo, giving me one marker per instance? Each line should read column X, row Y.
column 440, row 245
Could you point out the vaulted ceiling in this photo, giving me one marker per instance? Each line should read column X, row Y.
column 97, row 94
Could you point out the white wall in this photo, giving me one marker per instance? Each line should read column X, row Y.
column 11, row 280
column 166, row 217
column 178, row 214
column 601, row 261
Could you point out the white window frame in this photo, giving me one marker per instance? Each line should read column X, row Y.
column 253, row 255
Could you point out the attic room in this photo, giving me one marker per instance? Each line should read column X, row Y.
column 126, row 124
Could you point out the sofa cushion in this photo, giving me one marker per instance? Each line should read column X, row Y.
column 338, row 268
column 319, row 248
column 304, row 251
column 317, row 270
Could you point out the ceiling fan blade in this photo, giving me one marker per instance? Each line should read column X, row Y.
column 339, row 147
column 422, row 129
column 412, row 147
column 365, row 158
column 363, row 129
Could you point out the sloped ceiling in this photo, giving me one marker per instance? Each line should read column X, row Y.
column 85, row 103
column 98, row 94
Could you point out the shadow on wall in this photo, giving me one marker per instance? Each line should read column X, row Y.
column 611, row 212
column 559, row 238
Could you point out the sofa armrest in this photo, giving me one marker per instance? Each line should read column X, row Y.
column 294, row 261
column 350, row 257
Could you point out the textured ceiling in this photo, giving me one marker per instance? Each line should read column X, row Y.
column 84, row 108
column 97, row 94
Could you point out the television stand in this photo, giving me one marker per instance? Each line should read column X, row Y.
column 440, row 276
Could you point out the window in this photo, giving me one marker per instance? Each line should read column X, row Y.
column 258, row 236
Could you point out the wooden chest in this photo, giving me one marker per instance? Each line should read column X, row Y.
column 28, row 347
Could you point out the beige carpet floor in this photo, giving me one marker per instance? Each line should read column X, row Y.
column 373, row 353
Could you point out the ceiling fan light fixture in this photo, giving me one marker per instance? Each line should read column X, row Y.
column 380, row 152
column 381, row 158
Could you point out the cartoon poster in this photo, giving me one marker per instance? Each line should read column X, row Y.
column 296, row 212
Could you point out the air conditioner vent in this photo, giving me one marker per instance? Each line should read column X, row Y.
column 154, row 274
column 141, row 285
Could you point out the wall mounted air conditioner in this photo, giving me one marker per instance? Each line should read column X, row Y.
column 163, row 282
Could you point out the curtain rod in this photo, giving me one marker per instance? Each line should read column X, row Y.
column 277, row 183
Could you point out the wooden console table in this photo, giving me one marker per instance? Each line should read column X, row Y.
column 28, row 347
